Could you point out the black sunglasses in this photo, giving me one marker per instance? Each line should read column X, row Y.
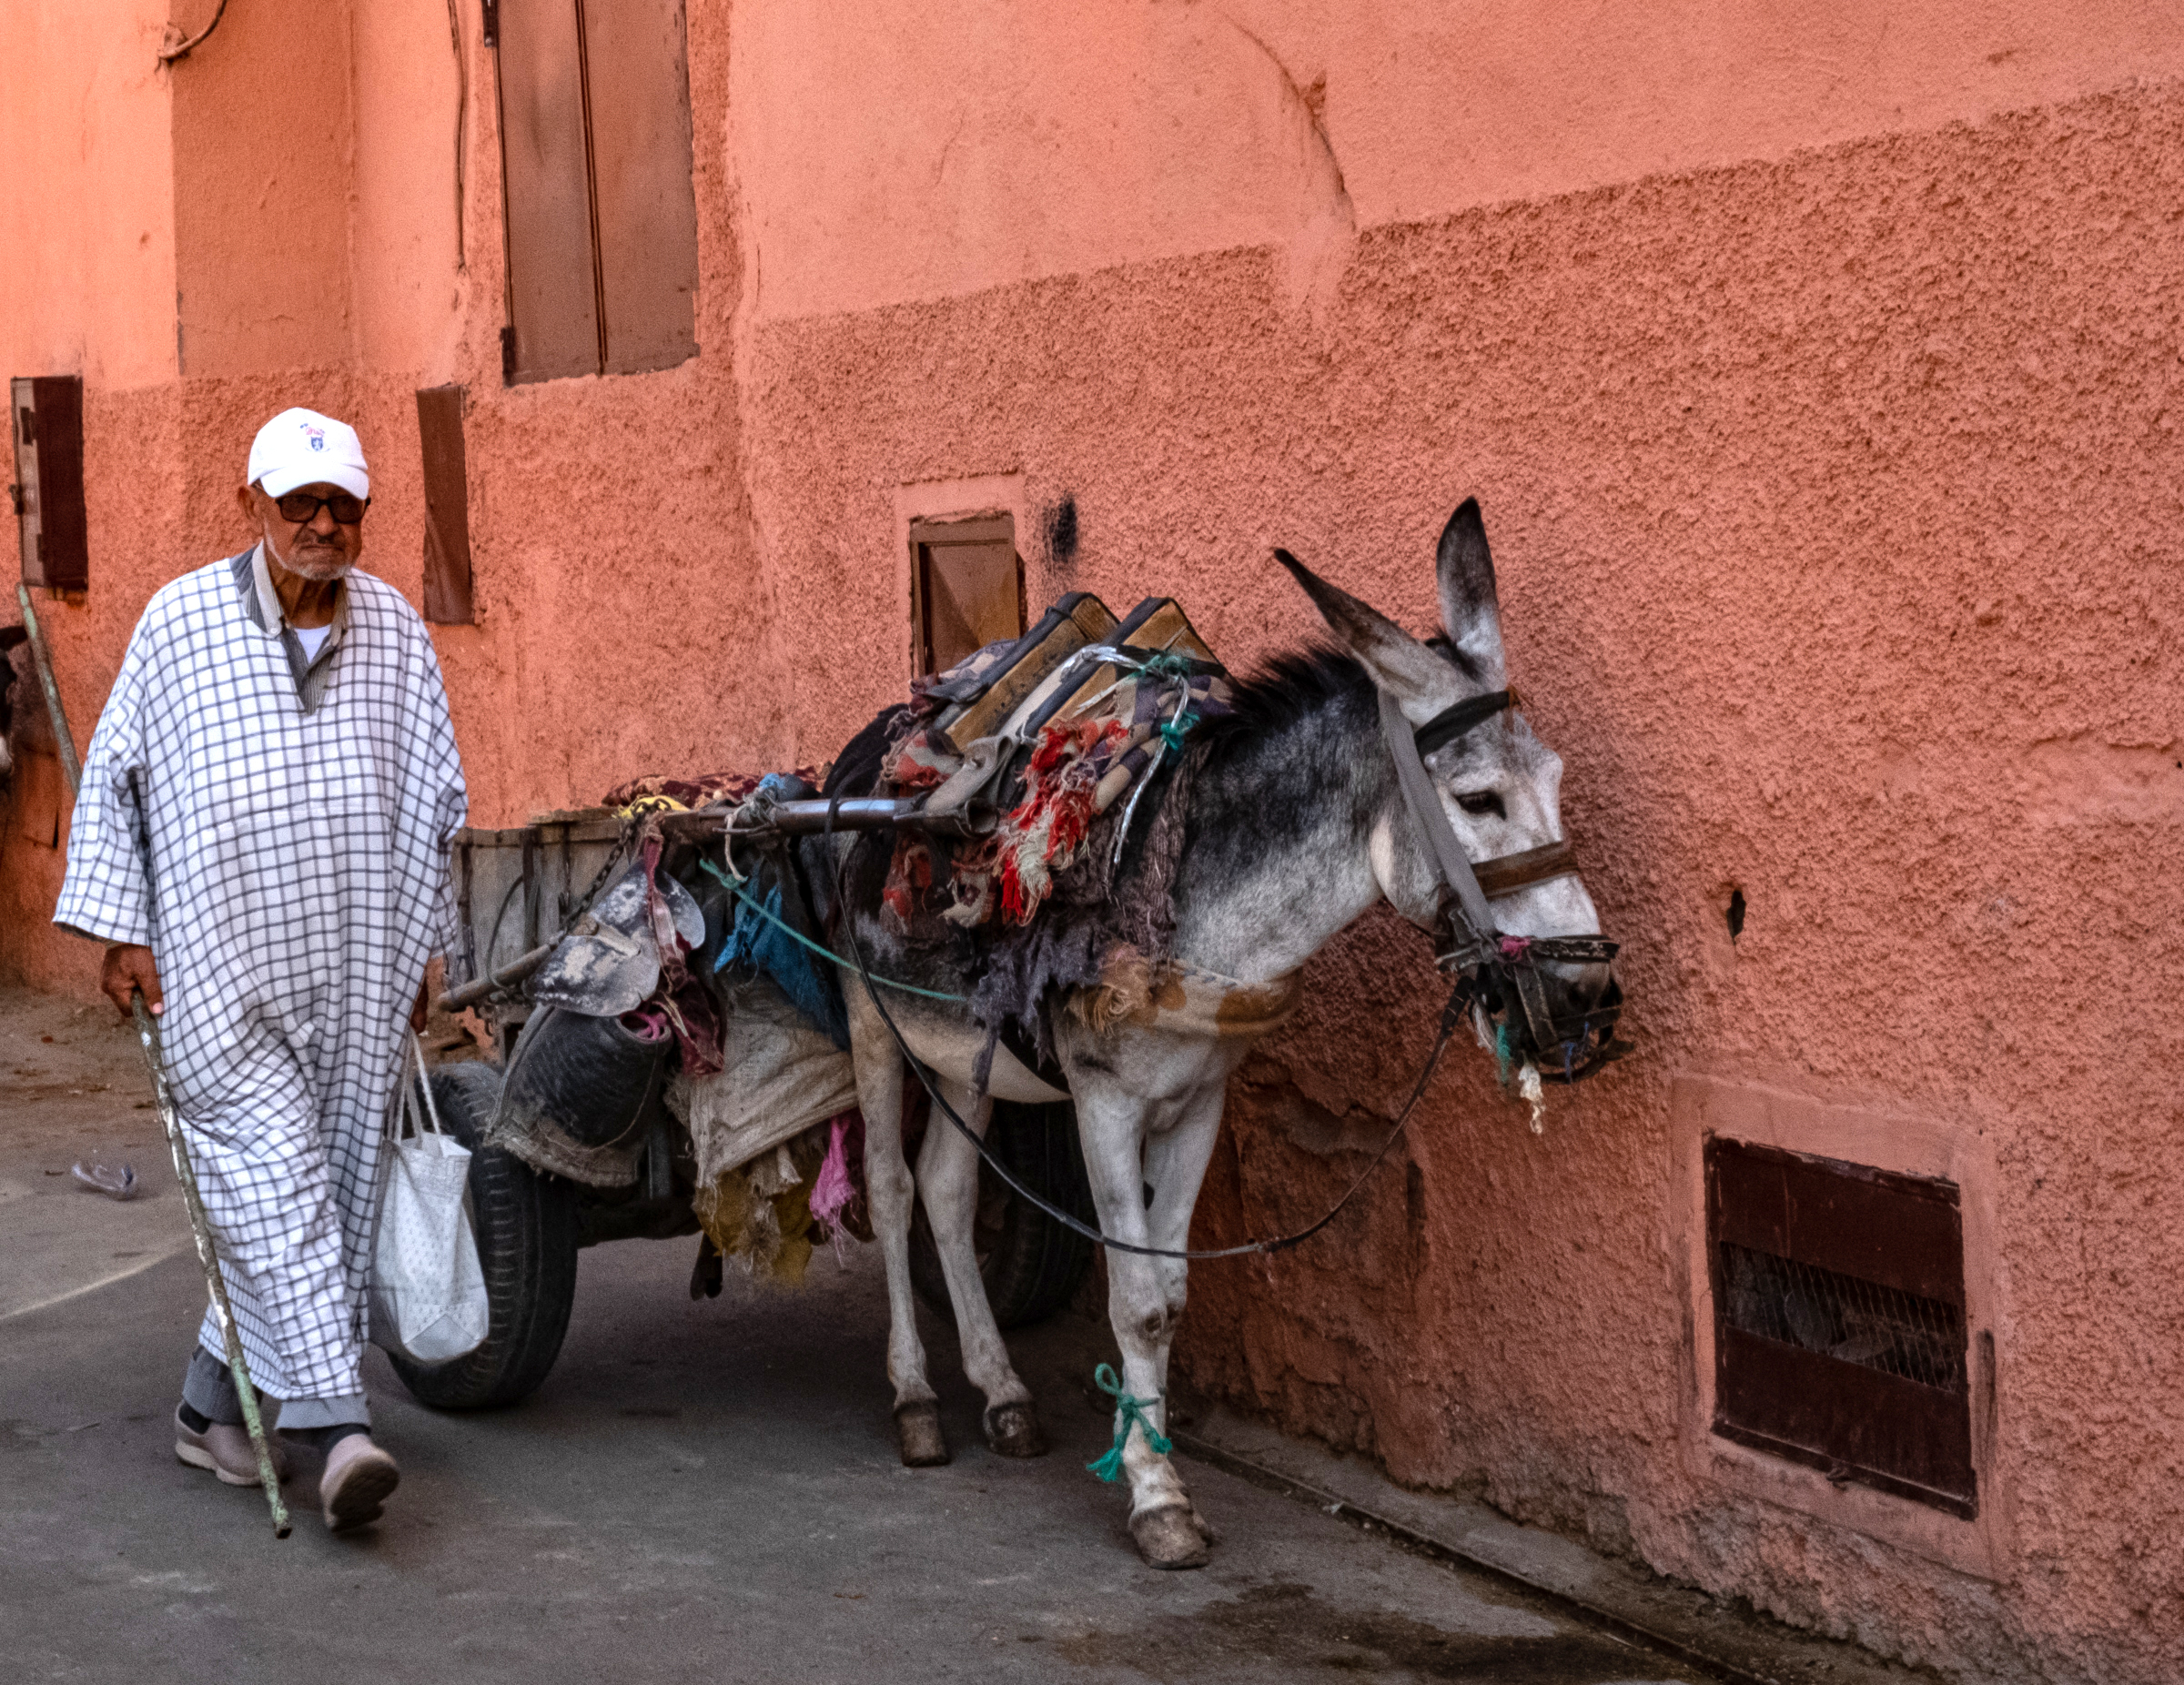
column 301, row 506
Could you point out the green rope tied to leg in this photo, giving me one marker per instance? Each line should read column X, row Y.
column 1128, row 1410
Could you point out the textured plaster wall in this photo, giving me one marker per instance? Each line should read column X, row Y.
column 263, row 189
column 410, row 296
column 1837, row 499
column 622, row 625
column 909, row 148
column 88, row 284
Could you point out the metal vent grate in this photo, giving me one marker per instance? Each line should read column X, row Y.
column 1839, row 1337
column 1855, row 1321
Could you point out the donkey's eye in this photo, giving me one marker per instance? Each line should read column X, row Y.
column 1482, row 804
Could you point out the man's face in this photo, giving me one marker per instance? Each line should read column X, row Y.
column 317, row 547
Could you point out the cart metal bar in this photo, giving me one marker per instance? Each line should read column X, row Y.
column 514, row 971
column 812, row 816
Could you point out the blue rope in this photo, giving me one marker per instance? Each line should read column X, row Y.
column 758, row 907
column 1127, row 1412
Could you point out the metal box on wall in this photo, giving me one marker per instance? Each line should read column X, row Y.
column 45, row 415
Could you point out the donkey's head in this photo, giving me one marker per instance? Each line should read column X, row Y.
column 1498, row 785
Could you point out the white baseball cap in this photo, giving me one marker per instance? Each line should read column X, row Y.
column 303, row 448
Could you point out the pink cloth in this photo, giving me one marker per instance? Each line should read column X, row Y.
column 835, row 1189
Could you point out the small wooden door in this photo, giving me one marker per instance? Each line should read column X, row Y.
column 966, row 588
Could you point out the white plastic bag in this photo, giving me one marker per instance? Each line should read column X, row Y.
column 427, row 1293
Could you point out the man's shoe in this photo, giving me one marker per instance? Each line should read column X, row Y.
column 225, row 1449
column 358, row 1477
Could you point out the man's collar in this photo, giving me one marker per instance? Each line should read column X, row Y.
column 269, row 616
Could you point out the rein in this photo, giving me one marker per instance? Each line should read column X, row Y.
column 1451, row 1015
column 1499, row 975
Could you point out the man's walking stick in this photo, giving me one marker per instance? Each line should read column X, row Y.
column 147, row 1034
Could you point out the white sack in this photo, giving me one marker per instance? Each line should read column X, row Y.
column 778, row 1077
column 428, row 1292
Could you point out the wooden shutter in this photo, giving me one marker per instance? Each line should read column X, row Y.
column 46, row 417
column 636, row 66
column 966, row 588
column 446, row 506
column 552, row 283
column 602, row 211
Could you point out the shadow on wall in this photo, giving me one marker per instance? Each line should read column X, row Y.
column 13, row 677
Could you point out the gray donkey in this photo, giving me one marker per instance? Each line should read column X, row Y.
column 1296, row 824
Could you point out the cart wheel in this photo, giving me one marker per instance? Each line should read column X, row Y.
column 1031, row 1264
column 527, row 1233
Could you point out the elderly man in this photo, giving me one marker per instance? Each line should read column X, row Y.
column 262, row 841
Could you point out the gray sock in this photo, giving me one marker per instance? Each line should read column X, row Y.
column 324, row 1439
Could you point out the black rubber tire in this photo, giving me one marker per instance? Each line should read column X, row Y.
column 527, row 1235
column 1031, row 1264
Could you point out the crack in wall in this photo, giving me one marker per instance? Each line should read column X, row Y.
column 1319, row 251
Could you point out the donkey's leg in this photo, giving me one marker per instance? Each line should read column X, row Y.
column 947, row 1181
column 880, row 1073
column 1145, row 1296
column 1175, row 1166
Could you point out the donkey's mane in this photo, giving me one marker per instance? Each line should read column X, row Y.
column 1292, row 686
column 1286, row 760
column 1281, row 694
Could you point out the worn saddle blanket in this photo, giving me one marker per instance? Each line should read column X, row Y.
column 1052, row 733
column 1070, row 752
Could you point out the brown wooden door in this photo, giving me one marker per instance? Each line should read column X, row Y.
column 966, row 588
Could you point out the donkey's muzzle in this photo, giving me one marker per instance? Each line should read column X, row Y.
column 1563, row 1028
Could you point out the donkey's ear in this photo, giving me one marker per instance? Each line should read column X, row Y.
column 1399, row 663
column 1464, row 569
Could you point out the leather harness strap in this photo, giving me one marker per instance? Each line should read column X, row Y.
column 1511, row 872
column 1502, row 966
column 1475, row 919
column 1451, row 723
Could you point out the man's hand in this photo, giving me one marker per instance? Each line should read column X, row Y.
column 424, row 1003
column 128, row 968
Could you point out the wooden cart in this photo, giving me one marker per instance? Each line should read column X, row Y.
column 516, row 892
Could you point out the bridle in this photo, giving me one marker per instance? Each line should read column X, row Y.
column 1500, row 975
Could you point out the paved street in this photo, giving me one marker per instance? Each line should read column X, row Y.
column 700, row 1492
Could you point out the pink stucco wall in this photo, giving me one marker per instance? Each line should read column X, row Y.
column 1835, row 498
column 1821, row 373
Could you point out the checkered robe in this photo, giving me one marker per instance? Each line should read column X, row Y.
column 281, row 845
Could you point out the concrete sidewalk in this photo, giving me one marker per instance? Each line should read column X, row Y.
column 72, row 1086
column 700, row 1491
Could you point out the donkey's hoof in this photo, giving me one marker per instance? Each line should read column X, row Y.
column 917, row 1434
column 1205, row 1530
column 1013, row 1430
column 1169, row 1537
